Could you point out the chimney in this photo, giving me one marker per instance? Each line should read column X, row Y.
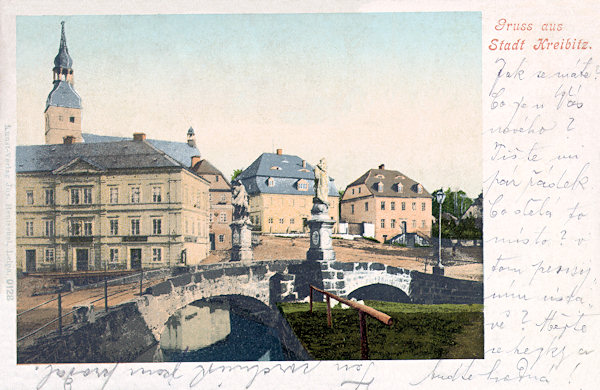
column 139, row 136
column 303, row 163
column 382, row 166
column 280, row 151
column 68, row 140
column 195, row 160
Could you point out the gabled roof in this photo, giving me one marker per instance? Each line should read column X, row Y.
column 180, row 151
column 204, row 167
column 286, row 170
column 63, row 95
column 107, row 155
column 390, row 180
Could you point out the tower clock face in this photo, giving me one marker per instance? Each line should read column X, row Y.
column 315, row 237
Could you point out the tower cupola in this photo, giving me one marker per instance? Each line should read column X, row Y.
column 63, row 63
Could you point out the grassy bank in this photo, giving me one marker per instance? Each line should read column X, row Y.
column 418, row 331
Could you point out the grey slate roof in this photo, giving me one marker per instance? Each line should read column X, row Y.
column 390, row 180
column 290, row 171
column 63, row 95
column 180, row 151
column 63, row 59
column 104, row 155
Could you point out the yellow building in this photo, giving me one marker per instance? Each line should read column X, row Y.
column 120, row 205
column 281, row 190
column 390, row 201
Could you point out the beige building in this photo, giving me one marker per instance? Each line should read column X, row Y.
column 390, row 201
column 120, row 205
column 281, row 190
column 221, row 210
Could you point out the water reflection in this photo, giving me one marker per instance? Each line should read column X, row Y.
column 216, row 331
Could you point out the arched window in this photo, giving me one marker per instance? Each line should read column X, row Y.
column 270, row 182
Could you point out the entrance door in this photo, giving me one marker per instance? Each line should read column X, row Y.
column 212, row 241
column 30, row 260
column 82, row 259
column 136, row 258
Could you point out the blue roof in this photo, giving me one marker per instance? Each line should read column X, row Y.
column 63, row 95
column 286, row 170
column 179, row 151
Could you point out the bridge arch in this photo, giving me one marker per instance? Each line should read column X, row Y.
column 380, row 292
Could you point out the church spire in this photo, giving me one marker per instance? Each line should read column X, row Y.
column 63, row 63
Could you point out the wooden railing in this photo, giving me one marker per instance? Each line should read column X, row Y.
column 362, row 311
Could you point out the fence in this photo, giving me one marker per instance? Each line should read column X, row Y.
column 139, row 276
column 363, row 310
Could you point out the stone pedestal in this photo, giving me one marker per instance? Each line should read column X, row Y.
column 438, row 270
column 241, row 239
column 321, row 229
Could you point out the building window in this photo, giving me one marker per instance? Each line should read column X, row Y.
column 414, row 206
column 114, row 227
column 114, row 255
column 135, row 194
column 383, row 204
column 403, row 206
column 399, row 187
column 29, row 228
column 72, row 119
column 74, row 195
column 383, row 223
column 353, row 191
column 281, row 220
column 422, row 223
column 211, row 218
column 221, row 238
column 380, row 187
column 156, row 254
column 223, row 197
column 216, row 178
column 75, row 228
column 303, row 185
column 49, row 196
column 423, row 206
column 210, row 197
column 271, row 182
column 156, row 194
column 87, row 228
column 271, row 220
column 49, row 255
column 366, row 206
column 359, row 190
column 292, row 221
column 156, row 226
column 393, row 223
column 222, row 217
column 135, row 227
column 87, row 196
column 49, row 228
column 414, row 223
column 393, row 206
column 419, row 188
column 114, row 195
column 351, row 209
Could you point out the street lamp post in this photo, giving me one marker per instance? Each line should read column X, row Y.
column 439, row 268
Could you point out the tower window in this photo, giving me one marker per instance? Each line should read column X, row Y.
column 72, row 119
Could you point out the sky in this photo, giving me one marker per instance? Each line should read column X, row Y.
column 360, row 89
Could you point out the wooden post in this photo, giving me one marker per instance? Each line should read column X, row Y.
column 105, row 289
column 59, row 314
column 328, row 311
column 310, row 300
column 141, row 278
column 364, row 343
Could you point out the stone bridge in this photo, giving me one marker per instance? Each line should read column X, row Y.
column 133, row 329
column 288, row 280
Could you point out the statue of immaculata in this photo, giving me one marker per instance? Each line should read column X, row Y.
column 321, row 182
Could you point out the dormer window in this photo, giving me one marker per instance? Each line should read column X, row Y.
column 380, row 176
column 276, row 168
column 399, row 187
column 270, row 182
column 419, row 188
column 302, row 185
column 380, row 187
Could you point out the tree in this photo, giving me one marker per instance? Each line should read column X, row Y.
column 456, row 203
column 236, row 173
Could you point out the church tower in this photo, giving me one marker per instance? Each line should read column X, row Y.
column 63, row 106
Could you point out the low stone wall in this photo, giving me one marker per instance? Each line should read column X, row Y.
column 117, row 336
column 436, row 289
